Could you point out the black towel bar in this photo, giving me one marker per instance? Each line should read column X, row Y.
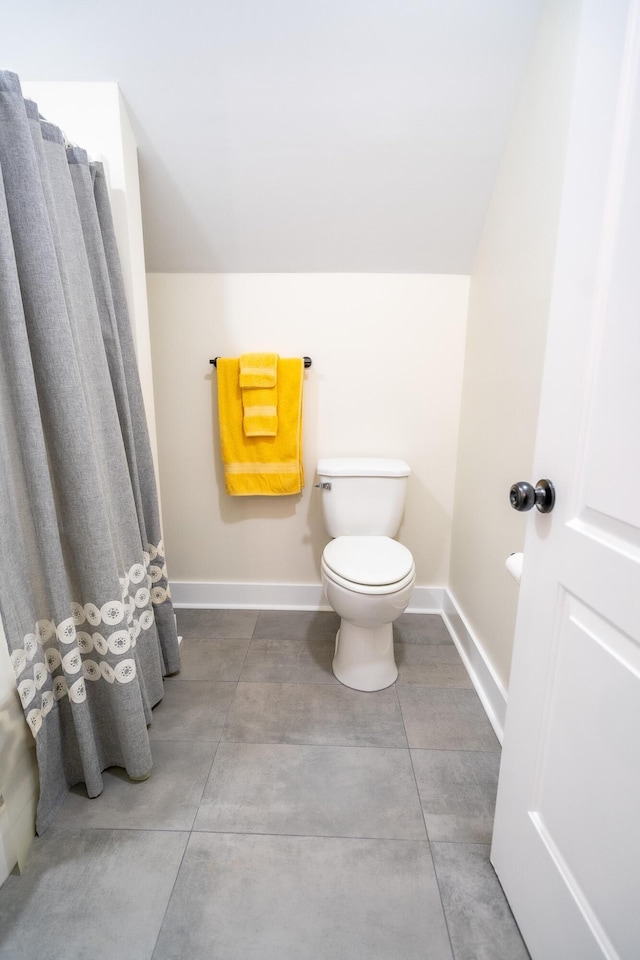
column 307, row 361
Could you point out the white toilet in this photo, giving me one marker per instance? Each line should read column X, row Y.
column 368, row 577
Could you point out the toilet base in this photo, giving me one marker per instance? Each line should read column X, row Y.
column 363, row 657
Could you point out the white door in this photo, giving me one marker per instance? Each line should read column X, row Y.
column 566, row 844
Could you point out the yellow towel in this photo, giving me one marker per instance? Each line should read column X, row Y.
column 258, row 370
column 260, row 413
column 258, row 379
column 268, row 466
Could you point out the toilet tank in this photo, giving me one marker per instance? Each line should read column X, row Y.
column 363, row 496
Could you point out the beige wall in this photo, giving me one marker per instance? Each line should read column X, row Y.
column 386, row 378
column 508, row 305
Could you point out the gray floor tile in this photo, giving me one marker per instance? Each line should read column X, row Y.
column 191, row 710
column 480, row 922
column 421, row 628
column 296, row 625
column 313, row 791
column 314, row 713
column 283, row 898
column 309, row 841
column 430, row 666
column 445, row 719
column 212, row 659
column 457, row 792
column 90, row 893
column 216, row 624
column 289, row 661
column 167, row 801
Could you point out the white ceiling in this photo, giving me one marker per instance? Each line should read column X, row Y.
column 298, row 135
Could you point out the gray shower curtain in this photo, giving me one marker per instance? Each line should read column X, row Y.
column 84, row 596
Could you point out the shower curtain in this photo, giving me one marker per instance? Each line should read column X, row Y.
column 84, row 596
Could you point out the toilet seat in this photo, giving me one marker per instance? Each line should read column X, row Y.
column 370, row 565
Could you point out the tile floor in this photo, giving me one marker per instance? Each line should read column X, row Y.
column 287, row 816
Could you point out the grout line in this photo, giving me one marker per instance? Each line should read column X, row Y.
column 426, row 830
column 468, row 843
column 310, row 836
column 344, row 746
column 94, row 826
column 186, row 847
column 170, row 897
column 204, row 786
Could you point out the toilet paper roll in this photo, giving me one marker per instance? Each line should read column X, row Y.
column 514, row 565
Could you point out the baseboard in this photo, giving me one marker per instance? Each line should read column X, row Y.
column 426, row 600
column 487, row 684
column 248, row 596
column 278, row 596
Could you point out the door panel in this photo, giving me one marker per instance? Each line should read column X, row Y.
column 587, row 789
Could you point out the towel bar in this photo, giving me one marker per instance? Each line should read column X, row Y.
column 307, row 361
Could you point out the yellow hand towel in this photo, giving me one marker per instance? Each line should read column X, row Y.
column 258, row 379
column 258, row 370
column 268, row 466
column 260, row 412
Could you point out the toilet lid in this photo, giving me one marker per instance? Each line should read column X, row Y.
column 373, row 561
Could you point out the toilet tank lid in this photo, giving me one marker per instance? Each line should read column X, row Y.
column 362, row 467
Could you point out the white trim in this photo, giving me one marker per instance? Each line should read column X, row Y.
column 426, row 600
column 278, row 596
column 488, row 685
column 248, row 596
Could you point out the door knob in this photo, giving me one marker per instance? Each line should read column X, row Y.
column 523, row 496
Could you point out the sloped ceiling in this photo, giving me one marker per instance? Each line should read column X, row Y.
column 298, row 135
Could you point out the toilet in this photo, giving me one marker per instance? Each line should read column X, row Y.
column 367, row 576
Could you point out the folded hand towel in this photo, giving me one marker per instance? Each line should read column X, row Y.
column 260, row 413
column 258, row 370
column 258, row 379
column 268, row 466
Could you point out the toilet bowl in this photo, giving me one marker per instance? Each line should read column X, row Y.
column 368, row 580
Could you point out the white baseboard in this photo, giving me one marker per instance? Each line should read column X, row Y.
column 487, row 684
column 278, row 596
column 426, row 600
column 310, row 596
column 248, row 596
